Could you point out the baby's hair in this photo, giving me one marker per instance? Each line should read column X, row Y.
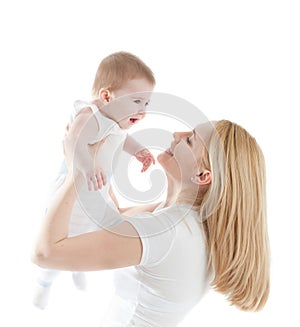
column 117, row 68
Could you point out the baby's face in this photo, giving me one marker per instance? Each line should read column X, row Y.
column 130, row 102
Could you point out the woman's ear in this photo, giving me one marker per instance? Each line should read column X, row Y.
column 105, row 95
column 203, row 178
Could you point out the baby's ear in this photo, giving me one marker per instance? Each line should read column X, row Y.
column 203, row 178
column 105, row 95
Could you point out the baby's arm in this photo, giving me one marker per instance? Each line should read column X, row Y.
column 142, row 154
column 82, row 131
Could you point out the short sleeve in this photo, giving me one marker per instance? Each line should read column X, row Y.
column 106, row 125
column 157, row 233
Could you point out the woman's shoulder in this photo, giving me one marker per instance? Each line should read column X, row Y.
column 165, row 229
column 162, row 219
column 178, row 210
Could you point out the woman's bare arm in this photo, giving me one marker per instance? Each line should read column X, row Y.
column 83, row 131
column 132, row 211
column 119, row 247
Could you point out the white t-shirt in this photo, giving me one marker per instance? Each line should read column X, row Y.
column 171, row 277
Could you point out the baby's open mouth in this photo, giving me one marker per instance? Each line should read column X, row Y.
column 133, row 120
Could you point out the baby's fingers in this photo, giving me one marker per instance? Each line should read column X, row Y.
column 152, row 159
column 146, row 164
column 149, row 156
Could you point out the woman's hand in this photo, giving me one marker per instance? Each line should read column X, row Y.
column 95, row 177
column 93, row 174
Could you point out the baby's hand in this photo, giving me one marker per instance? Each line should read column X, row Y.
column 146, row 158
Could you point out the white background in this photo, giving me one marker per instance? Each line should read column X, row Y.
column 237, row 60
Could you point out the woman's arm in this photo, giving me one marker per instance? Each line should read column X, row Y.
column 133, row 211
column 82, row 132
column 119, row 247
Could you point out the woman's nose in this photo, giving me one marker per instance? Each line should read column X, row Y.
column 177, row 136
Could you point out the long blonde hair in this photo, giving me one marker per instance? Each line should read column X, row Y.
column 234, row 217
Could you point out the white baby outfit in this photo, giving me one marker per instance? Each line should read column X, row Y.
column 90, row 209
column 84, row 218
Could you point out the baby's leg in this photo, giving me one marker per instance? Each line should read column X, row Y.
column 79, row 280
column 43, row 287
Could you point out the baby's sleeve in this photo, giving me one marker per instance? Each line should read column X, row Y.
column 157, row 233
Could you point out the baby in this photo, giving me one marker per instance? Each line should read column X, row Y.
column 121, row 91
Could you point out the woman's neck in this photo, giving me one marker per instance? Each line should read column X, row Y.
column 187, row 197
column 172, row 191
column 178, row 194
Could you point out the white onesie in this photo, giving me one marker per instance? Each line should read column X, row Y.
column 88, row 213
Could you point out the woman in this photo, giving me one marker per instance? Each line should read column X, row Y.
column 210, row 230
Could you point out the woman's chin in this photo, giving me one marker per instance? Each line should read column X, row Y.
column 161, row 158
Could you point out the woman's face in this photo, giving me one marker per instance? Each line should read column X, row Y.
column 181, row 160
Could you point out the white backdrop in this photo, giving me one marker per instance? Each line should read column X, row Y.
column 237, row 60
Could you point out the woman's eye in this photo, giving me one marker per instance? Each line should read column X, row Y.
column 146, row 104
column 188, row 141
column 137, row 101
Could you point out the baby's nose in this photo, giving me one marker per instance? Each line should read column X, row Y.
column 142, row 113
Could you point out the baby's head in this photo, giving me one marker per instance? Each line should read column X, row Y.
column 124, row 77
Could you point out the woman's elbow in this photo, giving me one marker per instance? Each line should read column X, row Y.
column 41, row 257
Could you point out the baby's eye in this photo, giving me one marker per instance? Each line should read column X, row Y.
column 137, row 101
column 188, row 141
column 147, row 104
